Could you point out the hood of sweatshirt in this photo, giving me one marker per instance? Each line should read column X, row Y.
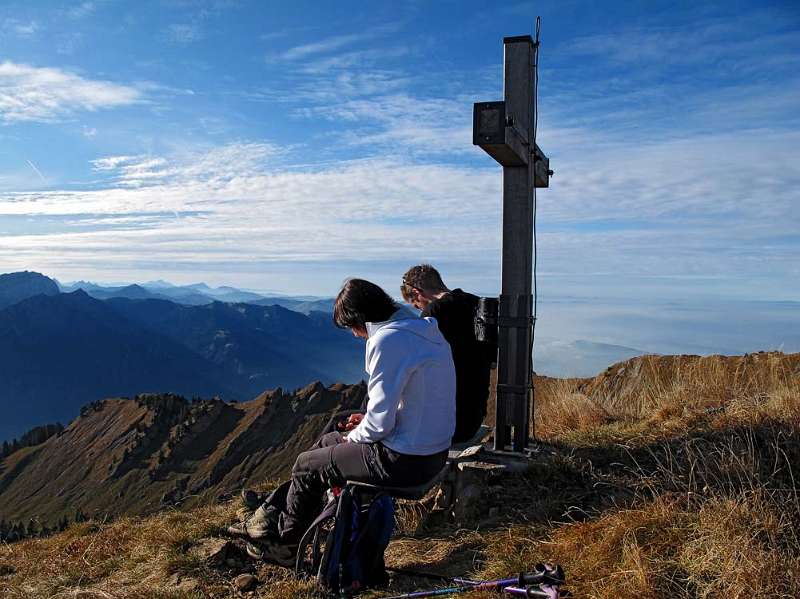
column 405, row 320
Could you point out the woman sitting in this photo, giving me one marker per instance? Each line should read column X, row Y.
column 401, row 441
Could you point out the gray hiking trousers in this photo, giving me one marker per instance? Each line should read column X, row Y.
column 332, row 461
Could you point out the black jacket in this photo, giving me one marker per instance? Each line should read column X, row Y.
column 455, row 314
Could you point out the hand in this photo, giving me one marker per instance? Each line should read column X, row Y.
column 353, row 421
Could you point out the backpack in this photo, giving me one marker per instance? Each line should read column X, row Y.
column 353, row 558
column 486, row 328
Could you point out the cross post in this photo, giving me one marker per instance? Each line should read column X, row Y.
column 505, row 131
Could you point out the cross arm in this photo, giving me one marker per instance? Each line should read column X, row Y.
column 498, row 134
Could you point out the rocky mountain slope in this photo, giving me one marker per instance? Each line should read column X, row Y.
column 142, row 455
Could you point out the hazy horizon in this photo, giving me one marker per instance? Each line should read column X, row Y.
column 581, row 336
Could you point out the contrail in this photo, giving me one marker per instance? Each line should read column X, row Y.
column 38, row 172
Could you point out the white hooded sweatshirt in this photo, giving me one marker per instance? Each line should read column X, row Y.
column 412, row 386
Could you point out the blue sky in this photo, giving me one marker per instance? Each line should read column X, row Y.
column 285, row 146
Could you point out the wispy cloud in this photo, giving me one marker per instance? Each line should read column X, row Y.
column 184, row 33
column 248, row 212
column 36, row 170
column 424, row 125
column 20, row 28
column 696, row 211
column 81, row 10
column 711, row 74
column 30, row 93
column 325, row 45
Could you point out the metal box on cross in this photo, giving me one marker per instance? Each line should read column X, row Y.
column 506, row 131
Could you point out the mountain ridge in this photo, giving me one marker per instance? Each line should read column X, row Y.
column 140, row 455
column 18, row 286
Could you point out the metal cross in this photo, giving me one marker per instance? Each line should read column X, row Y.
column 505, row 131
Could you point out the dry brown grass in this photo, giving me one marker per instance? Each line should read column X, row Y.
column 121, row 558
column 725, row 547
column 668, row 478
column 667, row 395
column 560, row 409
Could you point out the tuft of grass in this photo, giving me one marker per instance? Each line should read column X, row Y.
column 560, row 409
column 745, row 545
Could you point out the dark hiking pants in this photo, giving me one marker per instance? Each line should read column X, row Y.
column 332, row 461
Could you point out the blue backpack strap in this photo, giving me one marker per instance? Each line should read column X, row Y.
column 336, row 545
column 365, row 561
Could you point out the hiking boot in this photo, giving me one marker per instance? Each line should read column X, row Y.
column 252, row 500
column 272, row 550
column 261, row 524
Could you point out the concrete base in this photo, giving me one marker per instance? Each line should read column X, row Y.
column 471, row 472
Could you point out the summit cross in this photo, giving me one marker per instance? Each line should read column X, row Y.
column 506, row 131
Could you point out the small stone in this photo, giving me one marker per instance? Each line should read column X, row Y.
column 245, row 582
column 214, row 552
column 183, row 583
column 6, row 570
column 188, row 585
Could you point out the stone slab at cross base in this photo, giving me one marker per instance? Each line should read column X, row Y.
column 471, row 473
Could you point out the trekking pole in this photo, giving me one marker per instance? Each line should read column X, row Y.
column 517, row 583
column 550, row 592
column 541, row 574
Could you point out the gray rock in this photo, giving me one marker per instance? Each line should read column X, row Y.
column 6, row 570
column 215, row 552
column 245, row 582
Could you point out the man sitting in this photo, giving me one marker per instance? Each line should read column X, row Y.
column 454, row 312
column 401, row 441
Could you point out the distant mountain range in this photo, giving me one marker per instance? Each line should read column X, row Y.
column 59, row 351
column 17, row 286
column 199, row 294
column 89, row 342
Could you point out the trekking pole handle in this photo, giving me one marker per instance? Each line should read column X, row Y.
column 530, row 592
column 541, row 575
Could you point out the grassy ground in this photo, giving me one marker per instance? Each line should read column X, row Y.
column 686, row 489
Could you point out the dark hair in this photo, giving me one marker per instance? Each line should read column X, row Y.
column 360, row 302
column 423, row 277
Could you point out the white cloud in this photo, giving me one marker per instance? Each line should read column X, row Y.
column 324, row 46
column 184, row 33
column 233, row 207
column 21, row 28
column 81, row 10
column 677, row 208
column 426, row 125
column 30, row 93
